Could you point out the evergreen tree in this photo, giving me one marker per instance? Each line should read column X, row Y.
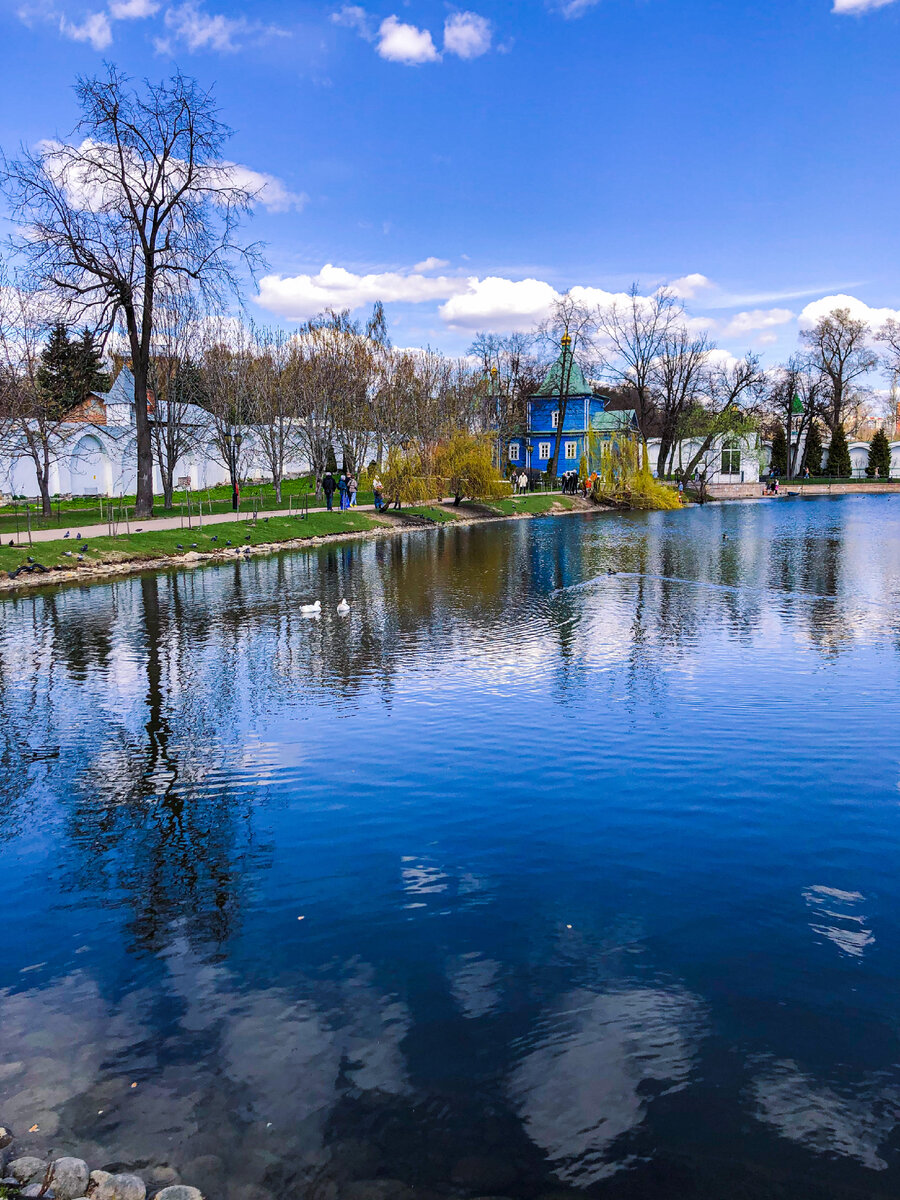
column 54, row 375
column 779, row 452
column 879, row 456
column 69, row 371
column 331, row 461
column 88, row 375
column 812, row 454
column 839, row 464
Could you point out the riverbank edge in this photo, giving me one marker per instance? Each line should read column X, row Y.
column 399, row 524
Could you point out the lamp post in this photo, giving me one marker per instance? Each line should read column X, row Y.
column 233, row 439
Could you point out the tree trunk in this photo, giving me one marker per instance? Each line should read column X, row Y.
column 666, row 446
column 44, row 484
column 277, row 482
column 143, row 504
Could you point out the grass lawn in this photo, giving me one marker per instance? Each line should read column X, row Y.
column 83, row 512
column 431, row 512
column 535, row 503
column 164, row 543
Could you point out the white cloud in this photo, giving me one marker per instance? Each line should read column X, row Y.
column 89, row 175
column 95, row 28
column 298, row 297
column 499, row 304
column 352, row 16
column 576, row 8
column 398, row 42
column 757, row 320
column 688, row 286
column 467, row 35
column 859, row 6
column 267, row 190
column 431, row 264
column 128, row 10
column 858, row 309
column 197, row 29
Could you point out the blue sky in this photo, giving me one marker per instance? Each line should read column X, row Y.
column 468, row 162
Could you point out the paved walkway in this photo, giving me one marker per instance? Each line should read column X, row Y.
column 95, row 530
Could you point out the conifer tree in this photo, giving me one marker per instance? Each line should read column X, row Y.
column 879, row 456
column 812, row 455
column 779, row 452
column 70, row 370
column 839, row 464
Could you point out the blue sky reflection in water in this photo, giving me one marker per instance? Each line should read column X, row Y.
column 597, row 870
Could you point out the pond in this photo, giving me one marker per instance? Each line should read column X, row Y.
column 567, row 861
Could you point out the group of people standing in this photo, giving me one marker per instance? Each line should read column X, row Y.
column 346, row 486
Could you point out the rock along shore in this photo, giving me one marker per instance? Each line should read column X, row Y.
column 72, row 1179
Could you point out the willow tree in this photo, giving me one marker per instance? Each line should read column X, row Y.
column 138, row 199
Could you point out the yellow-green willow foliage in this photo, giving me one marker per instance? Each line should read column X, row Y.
column 624, row 475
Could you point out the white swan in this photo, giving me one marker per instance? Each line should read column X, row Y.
column 343, row 608
column 311, row 610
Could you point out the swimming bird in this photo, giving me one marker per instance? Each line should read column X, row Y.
column 311, row 610
column 343, row 608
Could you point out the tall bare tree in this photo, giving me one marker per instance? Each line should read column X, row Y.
column 839, row 346
column 511, row 372
column 571, row 325
column 635, row 330
column 273, row 386
column 142, row 200
column 677, row 378
column 227, row 368
column 180, row 423
column 732, row 386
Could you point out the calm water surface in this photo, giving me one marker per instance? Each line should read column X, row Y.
column 568, row 861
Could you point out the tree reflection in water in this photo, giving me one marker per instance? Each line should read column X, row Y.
column 515, row 799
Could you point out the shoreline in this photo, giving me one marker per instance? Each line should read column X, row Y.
column 397, row 524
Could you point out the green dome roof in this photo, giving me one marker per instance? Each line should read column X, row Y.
column 554, row 380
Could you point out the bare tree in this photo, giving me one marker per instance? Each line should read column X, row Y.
column 227, row 365
column 34, row 423
column 732, row 386
column 677, row 378
column 144, row 199
column 636, row 330
column 571, row 325
column 797, row 380
column 839, row 346
column 511, row 372
column 890, row 335
column 273, row 387
column 179, row 422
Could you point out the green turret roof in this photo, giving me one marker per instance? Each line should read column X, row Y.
column 554, row 381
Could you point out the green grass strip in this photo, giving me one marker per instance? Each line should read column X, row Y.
column 165, row 543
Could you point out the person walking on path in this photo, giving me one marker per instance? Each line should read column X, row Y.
column 328, row 486
column 378, row 490
column 352, row 486
column 523, row 482
column 345, row 493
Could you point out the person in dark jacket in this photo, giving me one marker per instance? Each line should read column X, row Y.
column 328, row 486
